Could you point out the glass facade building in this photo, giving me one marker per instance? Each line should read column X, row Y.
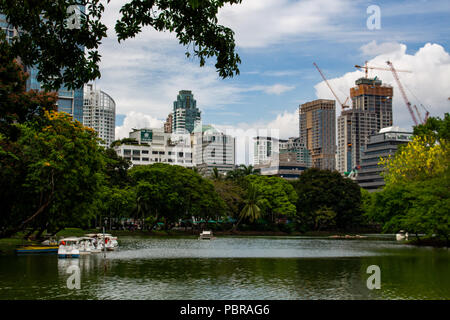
column 186, row 115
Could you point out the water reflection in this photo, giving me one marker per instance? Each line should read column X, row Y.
column 234, row 268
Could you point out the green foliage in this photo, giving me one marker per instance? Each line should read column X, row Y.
column 57, row 49
column 417, row 192
column 16, row 104
column 277, row 197
column 173, row 192
column 419, row 207
column 232, row 194
column 318, row 189
column 50, row 175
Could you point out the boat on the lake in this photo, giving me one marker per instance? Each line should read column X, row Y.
column 37, row 249
column 206, row 235
column 69, row 248
column 47, row 246
column 401, row 235
column 87, row 245
column 109, row 241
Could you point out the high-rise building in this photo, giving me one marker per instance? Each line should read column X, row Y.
column 99, row 113
column 70, row 101
column 213, row 149
column 317, row 126
column 186, row 115
column 168, row 124
column 371, row 111
column 265, row 150
column 380, row 145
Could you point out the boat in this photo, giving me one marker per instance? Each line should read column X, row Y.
column 206, row 235
column 401, row 235
column 47, row 246
column 37, row 249
column 87, row 245
column 69, row 248
column 109, row 241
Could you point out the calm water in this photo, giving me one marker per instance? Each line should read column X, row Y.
column 234, row 268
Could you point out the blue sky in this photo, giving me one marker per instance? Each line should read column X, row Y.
column 278, row 40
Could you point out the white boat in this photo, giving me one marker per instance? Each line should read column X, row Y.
column 401, row 235
column 206, row 235
column 87, row 245
column 69, row 248
column 108, row 241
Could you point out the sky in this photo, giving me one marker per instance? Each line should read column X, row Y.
column 278, row 41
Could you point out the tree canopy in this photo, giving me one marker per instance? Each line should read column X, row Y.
column 324, row 193
column 417, row 192
column 55, row 34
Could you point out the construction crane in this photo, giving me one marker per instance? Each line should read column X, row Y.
column 343, row 105
column 394, row 72
column 366, row 69
column 408, row 104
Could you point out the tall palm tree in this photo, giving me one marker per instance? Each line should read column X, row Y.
column 251, row 210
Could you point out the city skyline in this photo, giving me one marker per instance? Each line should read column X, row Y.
column 277, row 74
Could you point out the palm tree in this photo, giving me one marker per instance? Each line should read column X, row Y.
column 251, row 209
column 215, row 174
column 248, row 170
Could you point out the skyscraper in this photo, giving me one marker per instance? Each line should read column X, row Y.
column 186, row 115
column 213, row 149
column 168, row 124
column 371, row 111
column 317, row 121
column 100, row 114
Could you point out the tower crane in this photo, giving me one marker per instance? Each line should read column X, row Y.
column 408, row 104
column 343, row 105
column 366, row 69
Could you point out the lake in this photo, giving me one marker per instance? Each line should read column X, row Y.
column 280, row 268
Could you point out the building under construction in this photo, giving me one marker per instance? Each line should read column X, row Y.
column 317, row 125
column 371, row 111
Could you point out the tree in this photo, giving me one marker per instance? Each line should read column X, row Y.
column 251, row 209
column 171, row 193
column 50, row 176
column 277, row 197
column 323, row 188
column 232, row 194
column 18, row 105
column 416, row 196
column 56, row 44
column 427, row 156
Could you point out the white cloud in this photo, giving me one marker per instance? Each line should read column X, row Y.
column 136, row 120
column 278, row 89
column 427, row 84
column 373, row 49
column 258, row 23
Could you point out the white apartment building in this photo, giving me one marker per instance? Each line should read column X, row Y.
column 265, row 150
column 213, row 149
column 155, row 146
column 99, row 113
